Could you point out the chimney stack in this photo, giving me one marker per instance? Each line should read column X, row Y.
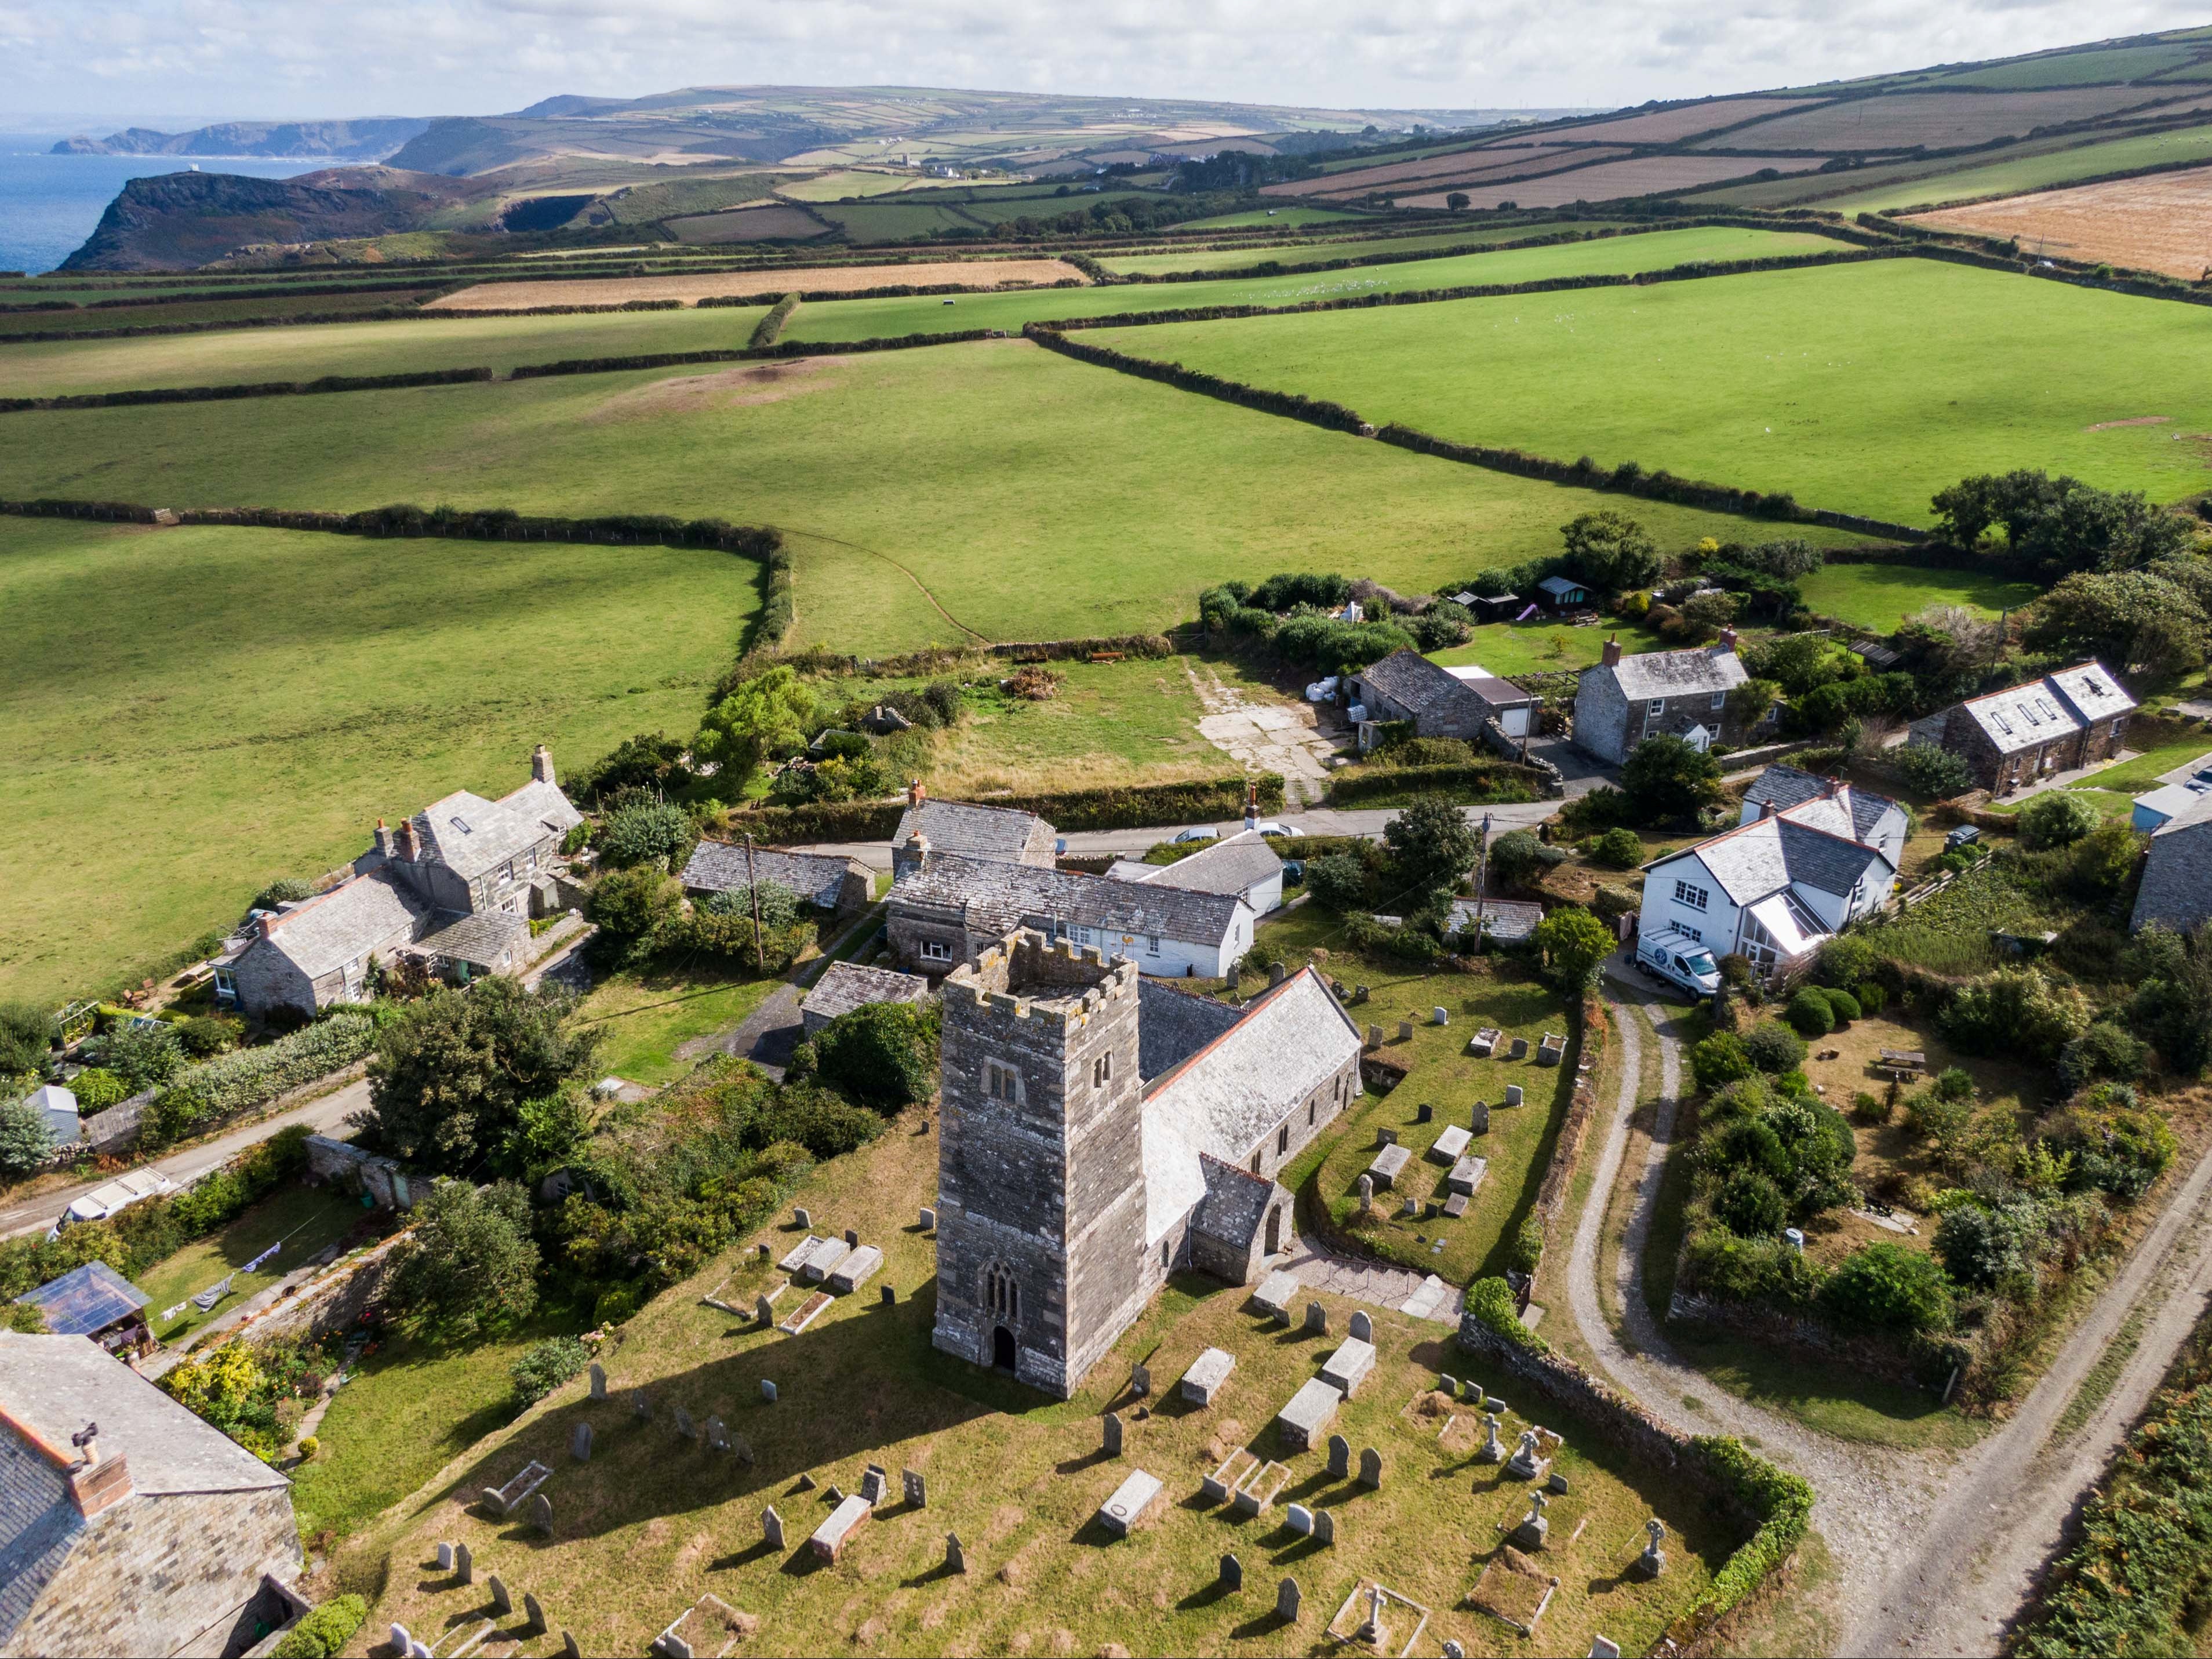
column 1727, row 641
column 1612, row 657
column 1766, row 809
column 915, row 794
column 406, row 839
column 384, row 844
column 268, row 924
column 541, row 765
column 1251, row 806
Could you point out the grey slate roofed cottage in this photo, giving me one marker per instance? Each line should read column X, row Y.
column 2072, row 718
column 2177, row 877
column 821, row 879
column 322, row 933
column 847, row 986
column 1233, row 865
column 1622, row 700
column 1002, row 834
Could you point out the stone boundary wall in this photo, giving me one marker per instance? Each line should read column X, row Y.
column 1586, row 1048
column 331, row 1303
column 1807, row 1340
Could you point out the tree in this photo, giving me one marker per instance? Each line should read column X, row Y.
column 2171, row 1008
column 1709, row 610
column 765, row 716
column 2056, row 817
column 1928, row 770
column 142, row 1056
column 1574, row 945
column 470, row 1264
column 1890, row 1287
column 646, row 832
column 632, row 907
column 1616, row 848
column 27, row 1035
column 650, row 760
column 1669, row 780
column 1517, row 857
column 1798, row 664
column 2137, row 620
column 1337, row 880
column 449, row 1076
column 882, row 1053
column 2009, row 501
column 26, row 1143
column 1610, row 551
column 1456, row 201
column 1432, row 847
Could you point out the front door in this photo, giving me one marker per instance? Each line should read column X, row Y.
column 1274, row 1230
column 1002, row 1348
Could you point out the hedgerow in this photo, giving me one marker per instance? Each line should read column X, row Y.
column 1490, row 1301
column 1782, row 1503
column 252, row 1077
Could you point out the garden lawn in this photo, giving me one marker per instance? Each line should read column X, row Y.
column 1880, row 596
column 1343, row 247
column 651, row 1524
column 1443, row 1075
column 1539, row 645
column 190, row 713
column 645, row 1017
column 932, row 495
column 1863, row 387
column 861, row 319
column 302, row 1219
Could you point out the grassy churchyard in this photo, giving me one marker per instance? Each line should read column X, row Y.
column 653, row 1521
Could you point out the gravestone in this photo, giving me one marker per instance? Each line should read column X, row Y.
column 1363, row 1328
column 1413, row 1207
column 1370, row 1468
column 1604, row 1647
column 852, row 1237
column 1557, row 1485
column 1316, row 1319
column 465, row 1566
column 1405, row 1030
column 772, row 1527
column 1528, row 1462
column 805, row 1219
column 718, row 1435
column 1453, row 1650
column 444, row 1557
column 1448, row 1387
column 1140, row 1379
column 1300, row 1519
column 1339, row 1457
column 1232, row 1573
column 764, row 1251
column 763, row 1310
column 928, row 1219
column 1366, row 1194
column 598, row 1381
column 1520, row 1052
column 1276, row 973
column 1439, row 1017
column 500, row 1601
column 402, row 1642
column 1478, row 1120
column 533, row 1614
column 1386, row 1137
column 641, row 1402
column 956, row 1558
column 1287, row 1600
column 1493, row 1450
column 1424, row 1113
column 579, row 1442
column 1324, row 1527
column 541, row 1513
column 834, row 1495
column 570, row 1648
column 684, row 1426
column 1375, row 1037
column 1513, row 1096
column 1112, row 1424
column 874, row 1483
column 768, row 1392
column 917, row 1489
column 1530, row 1533
column 806, row 1483
column 1653, row 1561
column 887, row 1296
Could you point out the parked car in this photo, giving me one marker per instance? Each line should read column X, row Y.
column 1198, row 834
column 1681, row 960
column 1276, row 829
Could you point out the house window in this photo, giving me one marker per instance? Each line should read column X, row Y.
column 1002, row 1082
column 1102, row 1070
column 1166, row 1259
column 1152, row 944
column 1695, row 897
column 1000, row 1294
column 1658, row 707
column 1282, row 1141
column 1697, row 934
column 935, row 949
column 1720, row 700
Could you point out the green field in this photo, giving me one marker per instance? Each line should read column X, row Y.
column 1880, row 596
column 2025, row 173
column 1310, row 252
column 1862, row 387
column 1283, row 215
column 1029, row 496
column 861, row 319
column 192, row 712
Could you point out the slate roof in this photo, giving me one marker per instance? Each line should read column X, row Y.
column 999, row 833
column 324, row 934
column 2171, row 801
column 1676, row 673
column 719, row 866
column 1175, row 1178
column 2188, row 818
column 2029, row 714
column 1767, row 856
column 993, row 898
column 470, row 835
column 1235, row 1204
column 85, row 1299
column 480, row 941
column 847, row 986
column 1850, row 811
column 1498, row 693
column 1172, row 1025
column 1292, row 1039
column 1502, row 919
column 1784, row 786
column 1411, row 681
column 2092, row 689
column 1235, row 863
column 54, row 1385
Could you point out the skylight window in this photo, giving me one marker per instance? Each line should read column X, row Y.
column 2003, row 724
column 461, row 824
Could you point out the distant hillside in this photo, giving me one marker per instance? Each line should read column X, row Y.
column 341, row 141
column 176, row 221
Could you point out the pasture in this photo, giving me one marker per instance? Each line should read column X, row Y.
column 932, row 496
column 1295, row 253
column 192, row 712
column 1864, row 387
column 1880, row 596
column 2032, row 172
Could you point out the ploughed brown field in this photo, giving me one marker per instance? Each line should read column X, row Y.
column 2160, row 223
column 691, row 290
column 1664, row 126
column 1433, row 171
column 1643, row 176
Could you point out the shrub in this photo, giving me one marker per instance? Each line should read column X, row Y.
column 285, row 890
column 322, row 1631
column 1774, row 1048
column 1845, row 961
column 1955, row 1082
column 1337, row 880
column 27, row 1036
column 645, row 834
column 26, row 1143
column 1518, row 857
column 1490, row 1301
column 1978, row 1247
column 247, row 1078
column 2017, row 1011
column 1869, row 1108
column 97, row 1089
column 1720, row 1059
column 2117, row 1149
column 2056, row 817
column 1528, row 1242
column 1668, row 780
column 1574, row 945
column 778, row 905
column 882, row 1053
column 630, row 907
column 1810, row 1014
column 145, row 1056
column 613, row 1306
column 204, row 1037
column 1617, row 849
column 1928, row 770
column 1890, row 1287
column 1600, row 808
column 1873, row 999
column 2102, row 1051
column 650, row 760
column 469, row 1263
column 1844, row 1006
column 545, row 1366
column 1750, row 1204
column 1934, row 1117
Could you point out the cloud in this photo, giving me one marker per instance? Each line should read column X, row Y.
column 209, row 59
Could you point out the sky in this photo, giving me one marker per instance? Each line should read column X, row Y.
column 78, row 63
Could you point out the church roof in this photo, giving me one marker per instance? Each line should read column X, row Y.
column 1291, row 1042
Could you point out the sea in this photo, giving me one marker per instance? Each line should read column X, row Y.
column 50, row 204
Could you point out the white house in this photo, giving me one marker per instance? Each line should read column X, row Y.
column 1777, row 887
column 1860, row 814
column 1243, row 865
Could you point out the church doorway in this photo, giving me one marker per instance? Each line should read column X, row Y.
column 1002, row 1348
column 1274, row 1230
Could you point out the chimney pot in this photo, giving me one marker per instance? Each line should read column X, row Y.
column 915, row 794
column 1611, row 654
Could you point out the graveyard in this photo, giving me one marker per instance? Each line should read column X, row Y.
column 890, row 1499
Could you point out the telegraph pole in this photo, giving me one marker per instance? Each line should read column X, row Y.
column 752, row 886
column 1481, row 881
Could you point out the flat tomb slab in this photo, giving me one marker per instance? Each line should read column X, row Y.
column 801, row 1252
column 806, row 1313
column 1451, row 1143
column 856, row 1269
column 1467, row 1174
column 840, row 1525
column 1235, row 1468
column 1277, row 1291
column 1309, row 1412
column 826, row 1256
column 1207, row 1373
column 1390, row 1163
column 1456, row 1206
column 1127, row 1507
column 710, row 1624
column 1347, row 1368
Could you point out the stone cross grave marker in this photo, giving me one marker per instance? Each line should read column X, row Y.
column 579, row 1442
column 917, row 1490
column 1370, row 1468
column 1113, row 1426
column 1232, row 1573
column 956, row 1558
column 1316, row 1319
column 1493, row 1448
column 598, row 1381
column 1363, row 1328
column 465, row 1566
column 541, row 1513
column 1339, row 1457
column 500, row 1601
column 772, row 1527
column 1653, row 1561
column 1287, row 1600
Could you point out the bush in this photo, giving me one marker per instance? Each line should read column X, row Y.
column 1720, row 1059
column 1845, row 961
column 1928, row 770
column 26, row 1037
column 1955, row 1082
column 1870, row 1108
column 1574, row 945
column 1978, row 1247
column 1774, row 1049
column 1617, row 849
column 2056, row 817
column 631, row 907
column 1889, row 1287
column 645, row 834
column 1529, row 1243
column 2102, row 1051
column 2016, row 1011
column 1750, row 1204
column 1809, row 1013
column 1519, row 859
column 285, row 890
column 2117, row 1149
column 240, row 1081
column 145, row 1056
column 97, row 1089
column 545, row 1366
column 882, row 1053
column 1490, row 1301
column 1845, row 1006
column 1337, row 880
column 204, row 1036
column 26, row 1143
column 1668, row 779
column 470, row 1264
column 1873, row 999
column 322, row 1631
column 778, row 905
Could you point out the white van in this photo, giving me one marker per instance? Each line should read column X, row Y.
column 1679, row 960
column 102, row 1202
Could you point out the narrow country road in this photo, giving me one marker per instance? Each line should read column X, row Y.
column 1935, row 1555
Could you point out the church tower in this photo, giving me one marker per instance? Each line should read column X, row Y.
column 1041, row 1259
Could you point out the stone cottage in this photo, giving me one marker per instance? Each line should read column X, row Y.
column 1405, row 686
column 1102, row 1130
column 455, row 885
column 1624, row 700
column 842, row 887
column 2075, row 717
column 1002, row 835
column 2177, row 877
column 127, row 1525
column 847, row 986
